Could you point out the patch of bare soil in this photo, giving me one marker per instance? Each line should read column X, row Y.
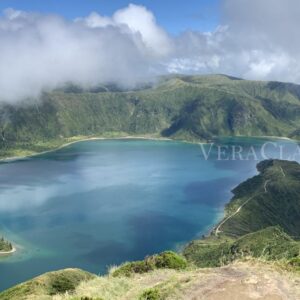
column 245, row 281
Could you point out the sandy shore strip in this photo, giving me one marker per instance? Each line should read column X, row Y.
column 4, row 253
column 15, row 158
column 132, row 137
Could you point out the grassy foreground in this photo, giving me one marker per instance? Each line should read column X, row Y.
column 240, row 280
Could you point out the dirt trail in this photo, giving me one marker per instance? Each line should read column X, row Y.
column 242, row 281
column 218, row 229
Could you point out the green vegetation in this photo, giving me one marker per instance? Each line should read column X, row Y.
column 270, row 244
column 294, row 263
column 151, row 294
column 272, row 198
column 165, row 260
column 48, row 284
column 5, row 246
column 194, row 108
column 262, row 220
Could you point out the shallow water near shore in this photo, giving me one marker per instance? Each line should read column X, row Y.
column 95, row 204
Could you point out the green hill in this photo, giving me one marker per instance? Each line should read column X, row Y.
column 261, row 220
column 49, row 284
column 270, row 244
column 194, row 108
column 268, row 199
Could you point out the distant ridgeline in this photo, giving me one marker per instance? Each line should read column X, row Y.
column 194, row 108
column 262, row 221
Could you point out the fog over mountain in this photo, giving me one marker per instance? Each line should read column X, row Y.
column 255, row 40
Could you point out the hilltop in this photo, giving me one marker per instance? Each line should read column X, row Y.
column 253, row 251
column 194, row 108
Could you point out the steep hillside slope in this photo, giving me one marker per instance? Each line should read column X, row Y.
column 268, row 199
column 261, row 220
column 179, row 107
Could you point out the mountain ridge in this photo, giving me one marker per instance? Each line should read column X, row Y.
column 192, row 108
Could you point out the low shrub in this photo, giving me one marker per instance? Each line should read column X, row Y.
column 150, row 294
column 169, row 260
column 62, row 284
column 164, row 260
column 295, row 263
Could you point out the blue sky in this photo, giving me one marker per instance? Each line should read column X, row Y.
column 174, row 16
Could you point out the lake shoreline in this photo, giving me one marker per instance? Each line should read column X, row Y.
column 5, row 253
column 129, row 137
column 132, row 137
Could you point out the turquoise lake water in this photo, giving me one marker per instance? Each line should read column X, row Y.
column 96, row 204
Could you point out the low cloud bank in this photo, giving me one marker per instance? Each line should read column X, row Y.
column 256, row 40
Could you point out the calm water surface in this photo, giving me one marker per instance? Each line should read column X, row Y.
column 96, row 204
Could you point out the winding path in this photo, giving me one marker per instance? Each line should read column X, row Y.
column 217, row 231
column 229, row 217
column 239, row 208
column 266, row 185
column 282, row 171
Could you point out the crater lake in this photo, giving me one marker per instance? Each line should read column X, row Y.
column 96, row 204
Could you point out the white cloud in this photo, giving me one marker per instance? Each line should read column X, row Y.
column 256, row 39
column 141, row 21
column 95, row 20
column 136, row 20
column 44, row 51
